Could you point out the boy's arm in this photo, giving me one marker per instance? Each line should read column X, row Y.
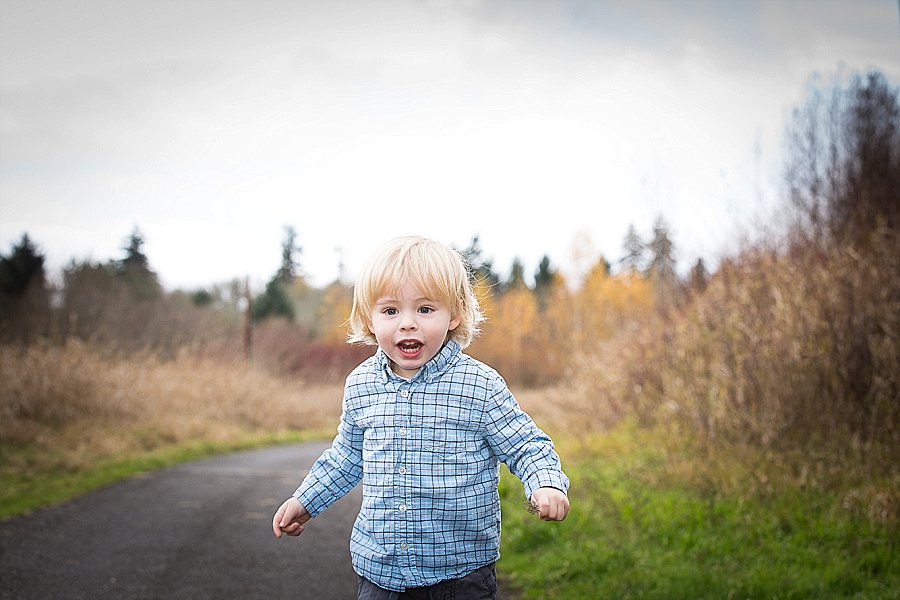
column 334, row 474
column 336, row 471
column 526, row 450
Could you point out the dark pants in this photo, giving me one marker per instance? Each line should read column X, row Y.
column 477, row 585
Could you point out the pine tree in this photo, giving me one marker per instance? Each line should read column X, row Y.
column 482, row 269
column 290, row 267
column 543, row 281
column 699, row 276
column 662, row 251
column 516, row 276
column 661, row 267
column 635, row 251
column 543, row 276
column 275, row 300
column 22, row 268
column 24, row 299
column 134, row 269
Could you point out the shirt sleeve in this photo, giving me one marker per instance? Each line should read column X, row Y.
column 518, row 442
column 336, row 471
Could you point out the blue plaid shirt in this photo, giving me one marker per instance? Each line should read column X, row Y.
column 428, row 451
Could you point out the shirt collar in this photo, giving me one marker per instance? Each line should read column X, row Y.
column 434, row 367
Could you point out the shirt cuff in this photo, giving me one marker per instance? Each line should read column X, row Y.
column 313, row 498
column 552, row 479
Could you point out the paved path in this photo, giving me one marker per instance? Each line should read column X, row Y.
column 198, row 530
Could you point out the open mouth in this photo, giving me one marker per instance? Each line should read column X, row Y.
column 410, row 348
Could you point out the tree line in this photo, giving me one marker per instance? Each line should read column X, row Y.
column 121, row 304
column 842, row 181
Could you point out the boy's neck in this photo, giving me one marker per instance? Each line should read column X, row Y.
column 403, row 377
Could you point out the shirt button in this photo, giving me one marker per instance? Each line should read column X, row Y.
column 404, row 546
column 404, row 393
column 402, row 508
column 402, row 470
column 402, row 431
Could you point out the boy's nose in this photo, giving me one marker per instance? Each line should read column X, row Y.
column 407, row 323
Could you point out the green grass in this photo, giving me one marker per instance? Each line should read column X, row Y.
column 22, row 492
column 634, row 532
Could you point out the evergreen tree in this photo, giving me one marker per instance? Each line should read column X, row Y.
column 699, row 276
column 276, row 299
column 24, row 299
column 22, row 268
column 543, row 281
column 516, row 276
column 662, row 251
column 290, row 267
column 481, row 268
column 635, row 251
column 661, row 267
column 134, row 269
column 543, row 277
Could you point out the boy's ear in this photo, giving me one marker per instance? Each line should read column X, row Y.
column 454, row 323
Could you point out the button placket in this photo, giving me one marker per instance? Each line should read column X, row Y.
column 401, row 485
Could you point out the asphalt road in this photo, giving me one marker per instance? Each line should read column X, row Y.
column 198, row 530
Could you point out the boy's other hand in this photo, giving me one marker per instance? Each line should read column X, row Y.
column 289, row 518
column 550, row 504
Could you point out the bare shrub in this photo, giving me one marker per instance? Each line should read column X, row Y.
column 287, row 348
column 843, row 170
column 98, row 308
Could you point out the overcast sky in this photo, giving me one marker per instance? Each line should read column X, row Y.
column 211, row 125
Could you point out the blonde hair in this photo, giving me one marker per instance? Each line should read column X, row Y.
column 436, row 270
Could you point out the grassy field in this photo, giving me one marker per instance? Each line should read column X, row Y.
column 73, row 418
column 652, row 516
column 640, row 530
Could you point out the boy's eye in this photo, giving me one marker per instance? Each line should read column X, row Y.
column 425, row 310
column 390, row 311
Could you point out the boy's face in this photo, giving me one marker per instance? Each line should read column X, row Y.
column 410, row 328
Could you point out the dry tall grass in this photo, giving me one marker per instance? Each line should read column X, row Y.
column 789, row 362
column 787, row 366
column 75, row 403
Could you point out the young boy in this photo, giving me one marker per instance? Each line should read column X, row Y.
column 425, row 427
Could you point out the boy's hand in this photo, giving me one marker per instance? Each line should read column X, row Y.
column 550, row 504
column 290, row 518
